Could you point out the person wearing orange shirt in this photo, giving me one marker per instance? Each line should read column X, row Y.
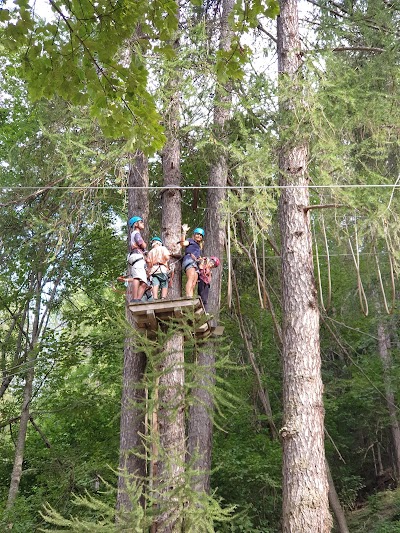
column 158, row 267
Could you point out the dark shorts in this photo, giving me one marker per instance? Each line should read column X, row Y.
column 160, row 279
column 189, row 262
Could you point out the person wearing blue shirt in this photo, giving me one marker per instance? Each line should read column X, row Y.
column 192, row 253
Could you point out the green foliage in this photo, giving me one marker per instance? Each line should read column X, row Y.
column 100, row 515
column 77, row 55
column 248, row 13
column 71, row 232
column 380, row 515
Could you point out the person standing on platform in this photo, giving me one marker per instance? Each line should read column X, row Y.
column 192, row 253
column 158, row 267
column 136, row 259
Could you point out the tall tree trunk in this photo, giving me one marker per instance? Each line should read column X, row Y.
column 132, row 425
column 200, row 416
column 171, row 427
column 305, row 484
column 27, row 396
column 171, row 418
column 387, row 364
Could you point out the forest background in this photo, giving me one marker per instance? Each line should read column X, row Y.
column 68, row 145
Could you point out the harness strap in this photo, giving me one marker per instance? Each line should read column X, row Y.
column 136, row 260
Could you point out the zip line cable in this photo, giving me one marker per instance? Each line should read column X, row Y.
column 205, row 187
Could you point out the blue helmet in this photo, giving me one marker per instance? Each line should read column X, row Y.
column 156, row 239
column 133, row 220
column 198, row 230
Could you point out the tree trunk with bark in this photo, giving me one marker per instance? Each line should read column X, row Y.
column 201, row 411
column 305, row 484
column 171, row 399
column 387, row 364
column 132, row 465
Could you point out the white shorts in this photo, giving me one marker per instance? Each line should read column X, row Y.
column 138, row 270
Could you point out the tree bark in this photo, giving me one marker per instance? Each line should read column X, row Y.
column 386, row 358
column 201, row 411
column 171, row 427
column 305, row 484
column 171, row 399
column 132, row 465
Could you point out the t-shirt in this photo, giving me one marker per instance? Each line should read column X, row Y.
column 157, row 260
column 136, row 242
column 193, row 248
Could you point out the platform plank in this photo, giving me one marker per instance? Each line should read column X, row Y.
column 164, row 305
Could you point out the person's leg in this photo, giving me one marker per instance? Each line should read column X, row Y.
column 135, row 288
column 141, row 289
column 139, row 283
column 164, row 292
column 164, row 285
column 191, row 281
column 156, row 284
column 203, row 290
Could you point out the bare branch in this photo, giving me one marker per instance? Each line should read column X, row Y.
column 261, row 28
column 322, row 206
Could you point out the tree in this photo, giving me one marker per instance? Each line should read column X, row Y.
column 305, row 486
column 387, row 367
column 170, row 383
column 200, row 417
column 132, row 463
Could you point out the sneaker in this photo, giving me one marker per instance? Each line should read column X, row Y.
column 134, row 301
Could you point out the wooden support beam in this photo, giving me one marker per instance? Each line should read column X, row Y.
column 178, row 312
column 217, row 331
column 151, row 318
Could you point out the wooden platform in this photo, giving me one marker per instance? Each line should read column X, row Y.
column 148, row 315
